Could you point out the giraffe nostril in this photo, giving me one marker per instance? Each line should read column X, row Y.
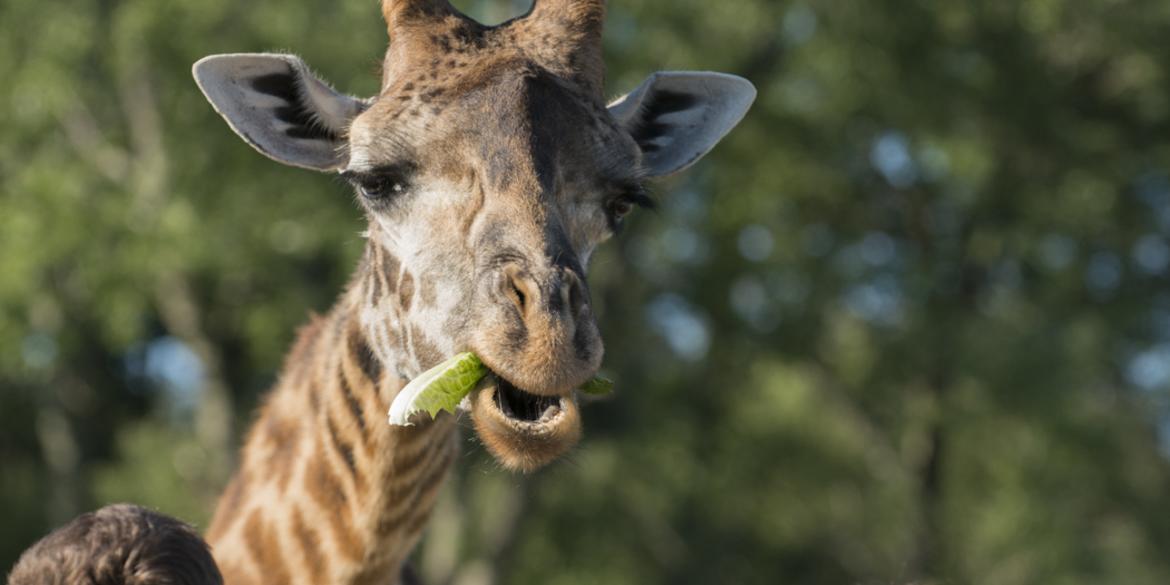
column 562, row 294
column 517, row 295
column 517, row 286
column 577, row 300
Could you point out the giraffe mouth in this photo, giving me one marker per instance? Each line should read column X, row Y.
column 522, row 406
column 522, row 430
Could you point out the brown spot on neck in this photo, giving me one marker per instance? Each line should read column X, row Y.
column 364, row 356
column 354, row 405
column 326, row 491
column 310, row 547
column 282, row 441
column 427, row 292
column 427, row 352
column 406, row 291
column 265, row 548
column 345, row 450
column 389, row 269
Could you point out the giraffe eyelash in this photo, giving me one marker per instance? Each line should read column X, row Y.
column 382, row 182
column 639, row 196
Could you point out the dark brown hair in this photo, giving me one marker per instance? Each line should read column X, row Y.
column 120, row 544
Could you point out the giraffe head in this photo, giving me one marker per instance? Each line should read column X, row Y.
column 489, row 167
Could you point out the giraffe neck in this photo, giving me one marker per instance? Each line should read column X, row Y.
column 327, row 492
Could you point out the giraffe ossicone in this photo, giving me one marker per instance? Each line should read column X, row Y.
column 489, row 167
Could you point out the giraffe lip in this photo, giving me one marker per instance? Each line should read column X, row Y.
column 523, row 431
column 521, row 406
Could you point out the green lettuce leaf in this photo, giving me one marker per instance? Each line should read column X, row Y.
column 598, row 386
column 442, row 387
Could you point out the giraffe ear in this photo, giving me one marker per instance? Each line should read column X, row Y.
column 279, row 107
column 676, row 117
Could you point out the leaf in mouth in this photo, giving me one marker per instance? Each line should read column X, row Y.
column 598, row 386
column 442, row 387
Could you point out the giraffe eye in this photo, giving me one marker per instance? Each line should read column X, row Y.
column 621, row 206
column 381, row 187
column 380, row 183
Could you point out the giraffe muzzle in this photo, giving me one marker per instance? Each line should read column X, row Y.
column 537, row 335
column 537, row 330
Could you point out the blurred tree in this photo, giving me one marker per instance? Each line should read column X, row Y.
column 909, row 323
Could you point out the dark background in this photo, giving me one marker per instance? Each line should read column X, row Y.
column 908, row 323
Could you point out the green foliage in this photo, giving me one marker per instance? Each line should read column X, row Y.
column 159, row 467
column 908, row 323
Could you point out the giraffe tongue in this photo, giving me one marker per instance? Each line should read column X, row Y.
column 522, row 406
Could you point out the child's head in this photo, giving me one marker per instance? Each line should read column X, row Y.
column 118, row 545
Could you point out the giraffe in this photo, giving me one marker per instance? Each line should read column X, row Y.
column 488, row 167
